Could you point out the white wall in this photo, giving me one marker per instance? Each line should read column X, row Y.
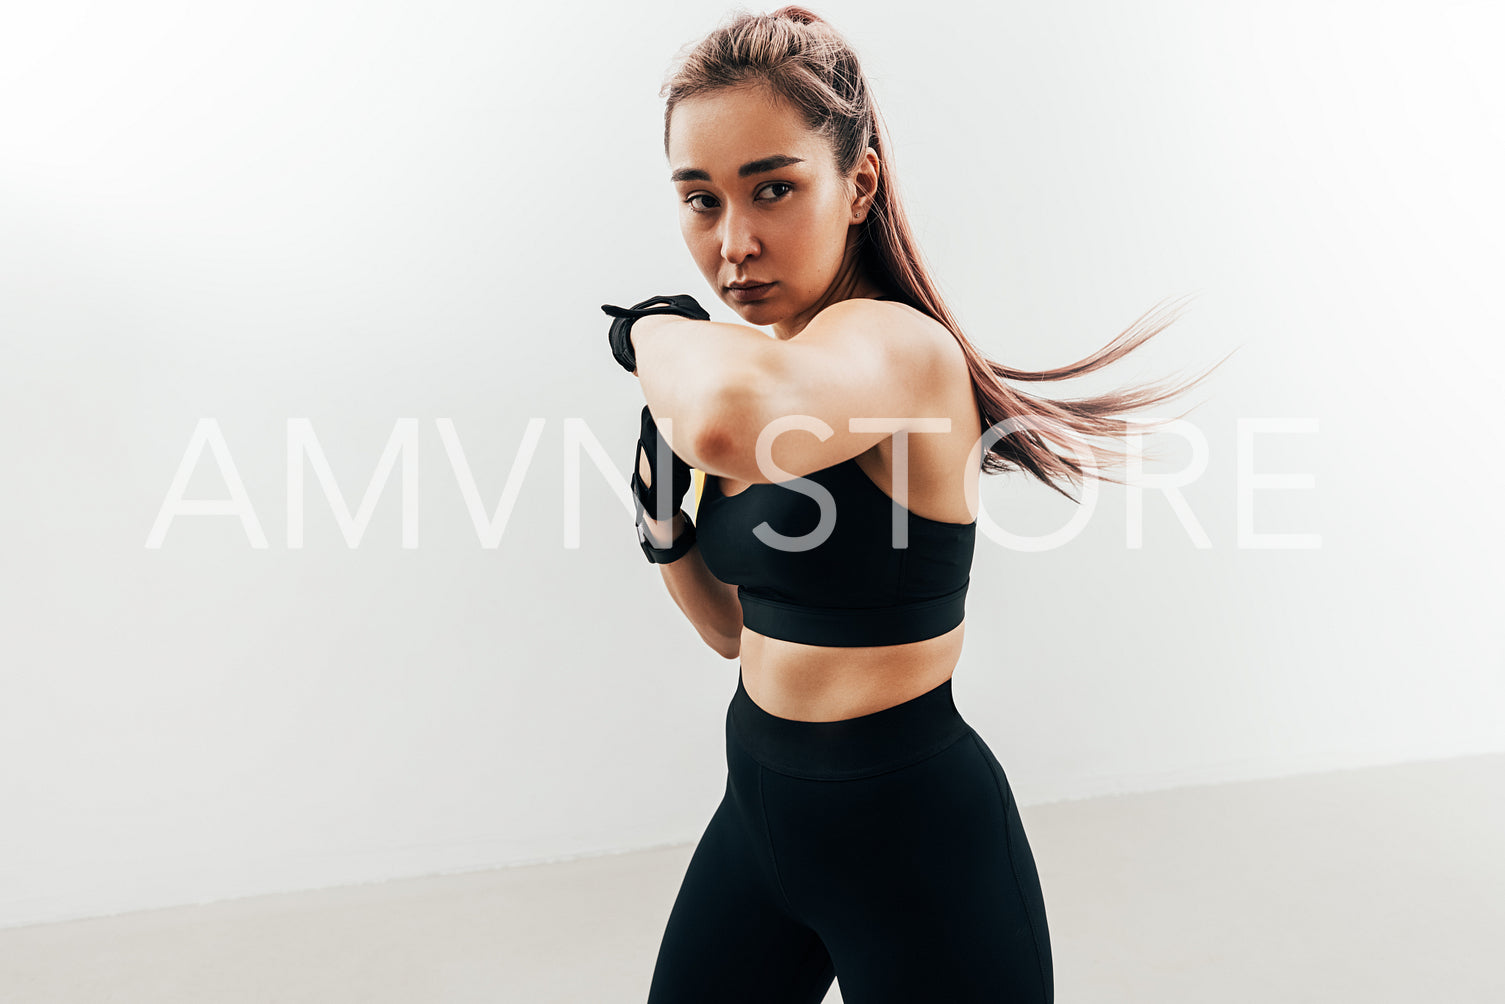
column 387, row 219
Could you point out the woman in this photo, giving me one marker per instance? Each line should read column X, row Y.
column 866, row 830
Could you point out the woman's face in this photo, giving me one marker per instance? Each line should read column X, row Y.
column 789, row 221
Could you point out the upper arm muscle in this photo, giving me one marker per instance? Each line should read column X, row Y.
column 857, row 359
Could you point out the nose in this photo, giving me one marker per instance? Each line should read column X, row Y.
column 737, row 238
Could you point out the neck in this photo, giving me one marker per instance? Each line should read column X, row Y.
column 850, row 284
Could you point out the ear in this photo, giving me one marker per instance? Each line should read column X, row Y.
column 865, row 185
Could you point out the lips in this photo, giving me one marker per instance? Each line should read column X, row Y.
column 747, row 294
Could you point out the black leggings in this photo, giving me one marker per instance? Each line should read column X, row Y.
column 886, row 848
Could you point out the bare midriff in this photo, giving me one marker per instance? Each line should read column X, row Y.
column 826, row 683
column 823, row 683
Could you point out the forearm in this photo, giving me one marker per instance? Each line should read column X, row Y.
column 685, row 366
column 710, row 604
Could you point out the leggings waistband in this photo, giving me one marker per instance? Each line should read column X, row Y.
column 869, row 744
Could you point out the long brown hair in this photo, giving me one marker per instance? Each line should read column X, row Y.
column 808, row 64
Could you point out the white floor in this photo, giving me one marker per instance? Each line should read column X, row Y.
column 1374, row 886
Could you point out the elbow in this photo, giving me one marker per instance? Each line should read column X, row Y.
column 722, row 440
column 726, row 646
column 713, row 444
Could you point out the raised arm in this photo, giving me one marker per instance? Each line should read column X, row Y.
column 687, row 368
column 724, row 383
column 858, row 358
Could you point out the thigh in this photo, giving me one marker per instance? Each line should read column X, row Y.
column 729, row 938
column 920, row 881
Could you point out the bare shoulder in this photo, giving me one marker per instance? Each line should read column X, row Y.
column 940, row 351
column 912, row 342
column 856, row 361
column 952, row 391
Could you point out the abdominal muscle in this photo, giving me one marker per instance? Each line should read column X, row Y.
column 823, row 683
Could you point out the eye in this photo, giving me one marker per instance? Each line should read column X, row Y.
column 690, row 200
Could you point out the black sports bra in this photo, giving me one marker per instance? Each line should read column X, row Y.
column 847, row 584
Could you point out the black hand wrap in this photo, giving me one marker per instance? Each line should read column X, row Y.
column 664, row 496
column 620, row 335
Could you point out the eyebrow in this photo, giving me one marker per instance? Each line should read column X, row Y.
column 752, row 167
